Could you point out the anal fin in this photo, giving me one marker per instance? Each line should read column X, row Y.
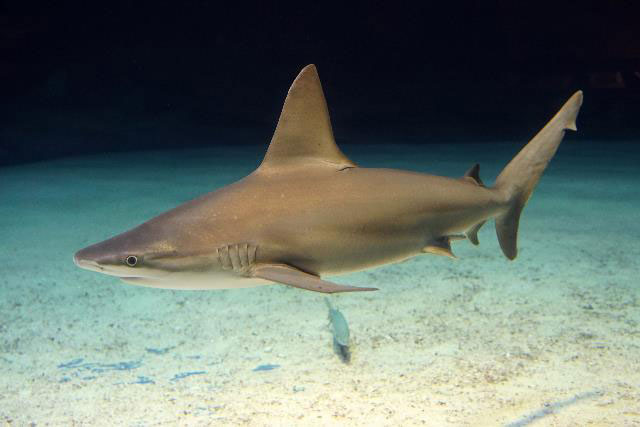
column 291, row 276
column 472, row 233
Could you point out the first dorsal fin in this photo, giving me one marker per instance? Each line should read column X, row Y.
column 304, row 136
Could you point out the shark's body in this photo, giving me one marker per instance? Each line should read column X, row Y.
column 309, row 211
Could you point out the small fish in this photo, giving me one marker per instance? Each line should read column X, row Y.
column 340, row 331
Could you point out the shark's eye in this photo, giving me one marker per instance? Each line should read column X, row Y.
column 131, row 260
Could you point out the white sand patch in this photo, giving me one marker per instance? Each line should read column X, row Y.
column 552, row 338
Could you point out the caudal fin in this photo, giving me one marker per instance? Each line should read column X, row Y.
column 518, row 179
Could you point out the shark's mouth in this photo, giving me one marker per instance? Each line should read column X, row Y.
column 139, row 278
column 88, row 265
column 159, row 280
column 136, row 280
column 154, row 282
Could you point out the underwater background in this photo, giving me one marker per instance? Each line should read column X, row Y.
column 115, row 113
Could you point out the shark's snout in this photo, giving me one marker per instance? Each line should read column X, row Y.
column 84, row 259
column 115, row 257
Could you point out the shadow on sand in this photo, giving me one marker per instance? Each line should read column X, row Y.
column 552, row 408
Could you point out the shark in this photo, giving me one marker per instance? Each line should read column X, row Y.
column 308, row 212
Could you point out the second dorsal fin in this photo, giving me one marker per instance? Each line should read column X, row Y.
column 303, row 136
column 473, row 174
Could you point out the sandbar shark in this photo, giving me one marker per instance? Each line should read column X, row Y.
column 309, row 211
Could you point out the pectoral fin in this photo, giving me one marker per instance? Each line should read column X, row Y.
column 291, row 276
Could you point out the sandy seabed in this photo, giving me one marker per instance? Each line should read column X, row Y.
column 552, row 338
